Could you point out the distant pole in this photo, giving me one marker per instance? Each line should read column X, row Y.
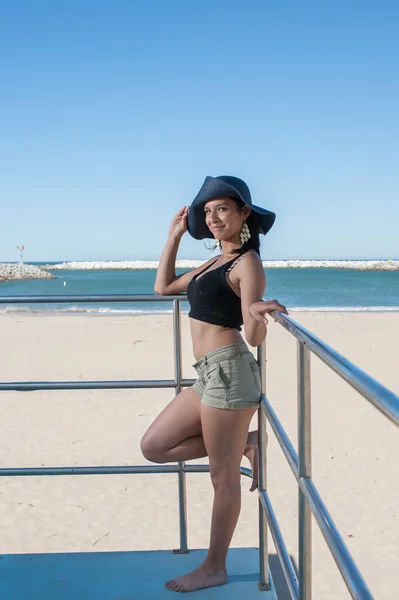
column 21, row 256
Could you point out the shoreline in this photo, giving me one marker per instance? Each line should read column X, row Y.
column 48, row 312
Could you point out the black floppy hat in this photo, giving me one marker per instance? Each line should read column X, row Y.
column 224, row 186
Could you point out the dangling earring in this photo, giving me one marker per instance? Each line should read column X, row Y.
column 245, row 234
column 218, row 245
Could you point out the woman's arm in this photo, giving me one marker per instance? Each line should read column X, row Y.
column 166, row 274
column 252, row 283
column 167, row 283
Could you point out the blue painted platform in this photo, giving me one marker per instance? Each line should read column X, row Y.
column 121, row 576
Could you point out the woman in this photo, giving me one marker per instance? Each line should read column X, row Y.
column 212, row 417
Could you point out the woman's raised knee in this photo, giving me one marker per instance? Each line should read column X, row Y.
column 151, row 450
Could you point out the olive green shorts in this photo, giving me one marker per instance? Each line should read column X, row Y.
column 229, row 377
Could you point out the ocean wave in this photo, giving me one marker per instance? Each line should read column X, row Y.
column 115, row 311
column 360, row 265
column 80, row 310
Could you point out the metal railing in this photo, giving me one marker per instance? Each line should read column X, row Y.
column 310, row 502
column 309, row 499
column 177, row 384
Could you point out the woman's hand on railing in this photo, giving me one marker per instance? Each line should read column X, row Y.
column 258, row 310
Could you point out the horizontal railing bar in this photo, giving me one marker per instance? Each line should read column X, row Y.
column 31, row 386
column 346, row 565
column 81, row 298
column 122, row 470
column 282, row 437
column 109, row 470
column 246, row 472
column 288, row 569
column 205, row 469
column 381, row 397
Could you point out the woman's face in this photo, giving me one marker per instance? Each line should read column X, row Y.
column 224, row 218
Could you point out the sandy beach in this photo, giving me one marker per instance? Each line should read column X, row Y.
column 355, row 448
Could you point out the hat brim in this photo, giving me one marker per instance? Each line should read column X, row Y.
column 215, row 188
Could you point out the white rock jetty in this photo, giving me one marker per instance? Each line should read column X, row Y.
column 10, row 271
column 360, row 265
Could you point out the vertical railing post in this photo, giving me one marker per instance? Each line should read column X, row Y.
column 264, row 583
column 305, row 470
column 181, row 474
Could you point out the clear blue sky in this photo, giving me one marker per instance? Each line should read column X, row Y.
column 113, row 112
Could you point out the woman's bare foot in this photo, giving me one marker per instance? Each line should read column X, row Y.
column 197, row 580
column 252, row 453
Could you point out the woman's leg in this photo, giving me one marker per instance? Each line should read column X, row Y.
column 225, row 434
column 176, row 434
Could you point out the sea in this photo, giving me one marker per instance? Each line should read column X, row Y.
column 300, row 289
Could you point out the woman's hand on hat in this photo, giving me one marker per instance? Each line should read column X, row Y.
column 258, row 310
column 178, row 225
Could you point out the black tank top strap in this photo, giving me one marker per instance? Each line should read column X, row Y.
column 204, row 270
column 235, row 261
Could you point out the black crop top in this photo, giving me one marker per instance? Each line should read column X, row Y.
column 212, row 299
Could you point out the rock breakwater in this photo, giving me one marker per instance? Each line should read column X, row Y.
column 359, row 265
column 11, row 271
